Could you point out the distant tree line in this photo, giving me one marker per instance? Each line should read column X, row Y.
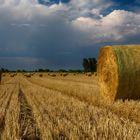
column 4, row 70
column 42, row 70
column 89, row 64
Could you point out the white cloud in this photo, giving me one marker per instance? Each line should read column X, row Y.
column 29, row 9
column 88, row 7
column 81, row 15
column 116, row 26
column 26, row 10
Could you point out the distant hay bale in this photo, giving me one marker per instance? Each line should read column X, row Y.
column 95, row 73
column 65, row 74
column 53, row 75
column 13, row 75
column 40, row 75
column 28, row 75
column 89, row 74
column 118, row 70
column 32, row 74
column 3, row 75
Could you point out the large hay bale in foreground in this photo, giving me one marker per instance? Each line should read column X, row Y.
column 118, row 70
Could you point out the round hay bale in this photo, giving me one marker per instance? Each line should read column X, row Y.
column 40, row 75
column 118, row 70
column 95, row 73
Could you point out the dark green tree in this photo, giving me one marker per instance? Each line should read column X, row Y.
column 89, row 64
column 85, row 64
column 92, row 64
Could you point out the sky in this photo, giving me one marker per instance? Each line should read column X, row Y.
column 58, row 34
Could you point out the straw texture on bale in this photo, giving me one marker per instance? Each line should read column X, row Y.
column 119, row 72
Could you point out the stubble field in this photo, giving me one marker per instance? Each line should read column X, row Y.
column 63, row 107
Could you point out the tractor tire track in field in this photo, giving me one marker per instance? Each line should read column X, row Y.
column 28, row 126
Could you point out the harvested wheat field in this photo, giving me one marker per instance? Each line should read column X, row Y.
column 63, row 108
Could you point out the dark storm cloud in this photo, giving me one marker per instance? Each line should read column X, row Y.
column 61, row 35
column 52, row 1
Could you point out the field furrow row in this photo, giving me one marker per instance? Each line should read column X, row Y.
column 5, row 103
column 28, row 128
column 63, row 116
column 89, row 94
column 81, row 91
